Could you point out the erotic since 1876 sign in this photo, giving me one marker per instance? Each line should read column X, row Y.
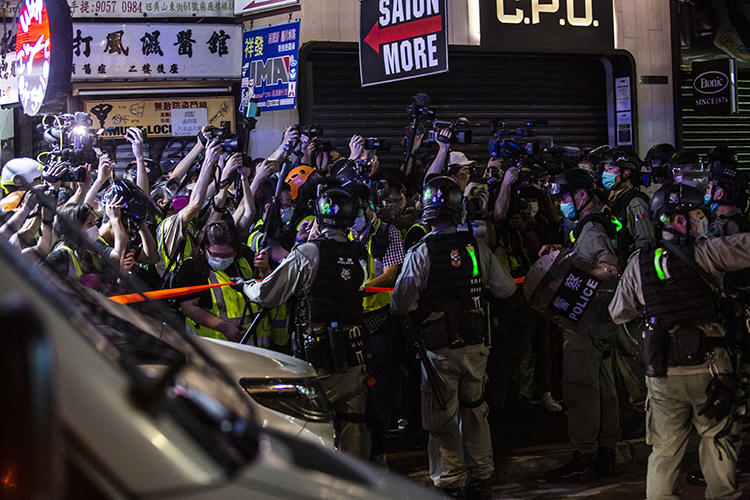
column 400, row 39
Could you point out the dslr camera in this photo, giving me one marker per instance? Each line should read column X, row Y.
column 507, row 143
column 229, row 141
column 376, row 144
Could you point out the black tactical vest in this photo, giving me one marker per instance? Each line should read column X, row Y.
column 683, row 299
column 454, row 287
column 335, row 295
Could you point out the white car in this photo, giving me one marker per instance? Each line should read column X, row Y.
column 283, row 388
column 94, row 407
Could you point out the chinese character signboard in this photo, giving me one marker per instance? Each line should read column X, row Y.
column 400, row 40
column 150, row 8
column 8, row 81
column 161, row 117
column 269, row 66
column 254, row 6
column 715, row 87
column 43, row 39
column 534, row 26
column 142, row 51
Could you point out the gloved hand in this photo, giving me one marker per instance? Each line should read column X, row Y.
column 720, row 396
column 239, row 283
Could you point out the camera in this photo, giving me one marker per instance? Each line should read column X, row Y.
column 229, row 141
column 71, row 138
column 311, row 131
column 419, row 108
column 459, row 133
column 376, row 144
column 71, row 174
column 509, row 143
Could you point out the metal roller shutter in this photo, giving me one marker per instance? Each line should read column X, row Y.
column 569, row 92
column 701, row 133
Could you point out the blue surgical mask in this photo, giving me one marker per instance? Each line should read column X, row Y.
column 609, row 180
column 568, row 210
column 706, row 199
column 359, row 224
column 286, row 214
column 220, row 263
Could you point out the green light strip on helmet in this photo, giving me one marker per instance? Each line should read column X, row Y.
column 473, row 255
column 617, row 223
column 657, row 264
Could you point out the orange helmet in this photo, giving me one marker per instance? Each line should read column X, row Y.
column 12, row 201
column 297, row 177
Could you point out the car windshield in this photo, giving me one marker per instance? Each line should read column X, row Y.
column 164, row 366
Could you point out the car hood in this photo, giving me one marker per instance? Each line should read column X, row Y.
column 244, row 361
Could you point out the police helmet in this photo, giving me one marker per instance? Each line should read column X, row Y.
column 731, row 180
column 659, row 152
column 442, row 197
column 361, row 193
column 20, row 172
column 335, row 208
column 596, row 155
column 675, row 199
column 134, row 203
column 722, row 154
column 569, row 181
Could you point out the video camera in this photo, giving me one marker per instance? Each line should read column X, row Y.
column 419, row 109
column 376, row 144
column 229, row 142
column 73, row 144
column 513, row 144
column 458, row 128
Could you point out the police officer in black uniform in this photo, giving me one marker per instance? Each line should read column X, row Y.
column 442, row 284
column 326, row 278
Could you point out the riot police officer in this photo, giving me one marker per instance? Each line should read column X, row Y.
column 588, row 368
column 688, row 368
column 726, row 198
column 326, row 277
column 442, row 283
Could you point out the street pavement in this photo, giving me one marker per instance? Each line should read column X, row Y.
column 525, row 448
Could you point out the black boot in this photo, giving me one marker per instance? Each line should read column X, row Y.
column 479, row 490
column 605, row 462
column 581, row 467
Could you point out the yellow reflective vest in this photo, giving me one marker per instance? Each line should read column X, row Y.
column 375, row 301
column 229, row 305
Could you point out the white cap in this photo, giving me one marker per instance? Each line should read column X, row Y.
column 458, row 158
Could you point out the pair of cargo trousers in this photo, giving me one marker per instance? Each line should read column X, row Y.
column 460, row 446
column 589, row 392
column 672, row 408
column 347, row 394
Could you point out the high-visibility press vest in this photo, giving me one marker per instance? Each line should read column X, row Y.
column 257, row 231
column 378, row 300
column 229, row 304
column 74, row 259
column 176, row 260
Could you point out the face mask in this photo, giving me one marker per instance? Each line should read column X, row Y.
column 568, row 210
column 533, row 208
column 219, row 263
column 92, row 233
column 706, row 199
column 609, row 180
column 701, row 228
column 359, row 224
column 180, row 202
column 286, row 214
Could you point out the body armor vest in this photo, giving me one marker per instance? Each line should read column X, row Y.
column 336, row 294
column 683, row 298
column 454, row 287
column 329, row 332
